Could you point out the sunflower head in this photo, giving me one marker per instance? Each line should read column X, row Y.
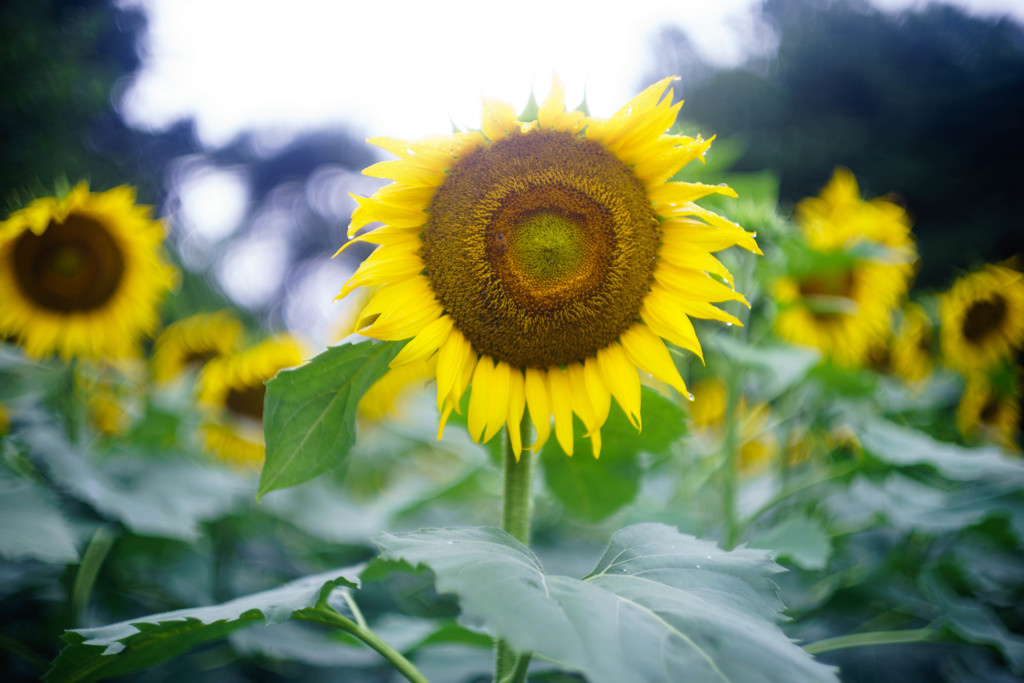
column 989, row 409
column 82, row 275
column 849, row 271
column 543, row 262
column 231, row 389
column 982, row 318
column 190, row 343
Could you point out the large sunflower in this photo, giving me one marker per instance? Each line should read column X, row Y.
column 982, row 318
column 232, row 387
column 543, row 262
column 82, row 275
column 850, row 273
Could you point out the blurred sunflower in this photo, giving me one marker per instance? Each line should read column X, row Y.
column 82, row 275
column 758, row 445
column 990, row 411
column 982, row 318
column 189, row 343
column 848, row 275
column 232, row 388
column 382, row 396
column 543, row 262
column 911, row 347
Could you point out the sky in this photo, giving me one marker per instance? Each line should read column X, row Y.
column 409, row 68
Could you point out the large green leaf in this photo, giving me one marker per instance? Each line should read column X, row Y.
column 594, row 489
column 802, row 539
column 903, row 446
column 778, row 367
column 660, row 605
column 168, row 498
column 310, row 414
column 116, row 649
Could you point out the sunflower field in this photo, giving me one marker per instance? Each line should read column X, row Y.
column 598, row 404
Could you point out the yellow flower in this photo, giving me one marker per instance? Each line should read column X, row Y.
column 982, row 318
column 5, row 420
column 758, row 445
column 231, row 388
column 841, row 293
column 543, row 262
column 82, row 275
column 191, row 342
column 989, row 412
column 911, row 348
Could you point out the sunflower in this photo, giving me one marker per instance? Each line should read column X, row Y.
column 231, row 388
column 82, row 275
column 911, row 347
column 982, row 318
column 758, row 445
column 849, row 273
column 543, row 262
column 382, row 396
column 189, row 343
column 989, row 411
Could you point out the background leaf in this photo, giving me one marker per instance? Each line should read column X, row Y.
column 310, row 414
column 903, row 446
column 116, row 649
column 593, row 490
column 660, row 606
column 32, row 526
column 803, row 540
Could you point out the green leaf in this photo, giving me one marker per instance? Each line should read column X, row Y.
column 152, row 497
column 660, row 606
column 116, row 649
column 778, row 367
column 802, row 539
column 32, row 526
column 593, row 489
column 903, row 447
column 310, row 414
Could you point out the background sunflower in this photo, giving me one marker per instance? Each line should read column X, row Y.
column 82, row 275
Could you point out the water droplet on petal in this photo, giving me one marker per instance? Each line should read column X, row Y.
column 689, row 396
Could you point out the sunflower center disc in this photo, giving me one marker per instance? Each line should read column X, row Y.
column 247, row 401
column 983, row 317
column 73, row 266
column 542, row 248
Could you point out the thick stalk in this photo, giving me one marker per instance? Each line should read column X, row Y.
column 516, row 514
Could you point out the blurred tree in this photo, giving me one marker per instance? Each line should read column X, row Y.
column 927, row 104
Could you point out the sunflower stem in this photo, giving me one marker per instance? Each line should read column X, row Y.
column 731, row 448
column 516, row 513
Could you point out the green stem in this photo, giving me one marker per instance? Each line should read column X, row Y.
column 326, row 615
column 23, row 651
column 872, row 638
column 516, row 514
column 85, row 578
column 731, row 447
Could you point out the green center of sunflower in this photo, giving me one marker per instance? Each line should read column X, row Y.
column 542, row 247
column 983, row 317
column 73, row 266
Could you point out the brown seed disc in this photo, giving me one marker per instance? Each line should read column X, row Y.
column 542, row 247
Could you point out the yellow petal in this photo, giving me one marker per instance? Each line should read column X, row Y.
column 452, row 358
column 554, row 104
column 399, row 311
column 622, row 380
column 561, row 407
column 662, row 314
column 597, row 390
column 708, row 237
column 383, row 235
column 696, row 284
column 682, row 192
column 426, row 343
column 516, row 407
column 480, row 396
column 497, row 402
column 539, row 402
column 645, row 350
column 498, row 119
column 686, row 255
column 744, row 238
column 581, row 404
column 404, row 172
column 389, row 263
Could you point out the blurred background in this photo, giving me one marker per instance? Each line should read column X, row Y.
column 246, row 127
